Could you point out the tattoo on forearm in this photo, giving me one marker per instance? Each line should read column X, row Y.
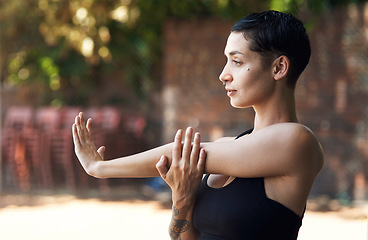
column 175, row 211
column 178, row 226
column 175, row 236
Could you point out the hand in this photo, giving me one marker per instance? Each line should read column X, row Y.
column 84, row 146
column 186, row 171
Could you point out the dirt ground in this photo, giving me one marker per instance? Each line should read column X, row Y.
column 64, row 216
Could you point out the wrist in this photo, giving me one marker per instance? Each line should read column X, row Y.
column 183, row 204
column 93, row 169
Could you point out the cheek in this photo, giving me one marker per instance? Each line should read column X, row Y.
column 255, row 88
column 263, row 89
column 259, row 79
column 248, row 80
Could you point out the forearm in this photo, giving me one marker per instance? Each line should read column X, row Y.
column 133, row 166
column 138, row 165
column 181, row 225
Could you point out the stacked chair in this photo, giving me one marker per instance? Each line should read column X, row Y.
column 37, row 145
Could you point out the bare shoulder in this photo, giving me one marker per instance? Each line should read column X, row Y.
column 277, row 150
column 304, row 146
column 295, row 134
column 298, row 141
column 299, row 136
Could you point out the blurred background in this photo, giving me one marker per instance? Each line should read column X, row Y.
column 144, row 68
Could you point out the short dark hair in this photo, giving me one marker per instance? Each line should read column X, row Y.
column 273, row 34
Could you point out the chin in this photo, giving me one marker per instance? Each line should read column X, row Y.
column 238, row 105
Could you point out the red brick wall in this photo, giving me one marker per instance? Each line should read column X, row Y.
column 331, row 95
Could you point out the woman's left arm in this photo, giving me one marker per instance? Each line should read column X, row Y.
column 184, row 177
column 280, row 149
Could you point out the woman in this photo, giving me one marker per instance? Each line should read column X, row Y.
column 256, row 185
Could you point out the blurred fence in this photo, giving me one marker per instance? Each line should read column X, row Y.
column 37, row 146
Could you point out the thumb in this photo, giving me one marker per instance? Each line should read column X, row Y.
column 101, row 151
column 161, row 166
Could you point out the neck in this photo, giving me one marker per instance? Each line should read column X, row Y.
column 279, row 109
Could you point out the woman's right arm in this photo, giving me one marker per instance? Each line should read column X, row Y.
column 184, row 178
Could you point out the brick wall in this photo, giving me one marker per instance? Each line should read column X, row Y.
column 331, row 95
column 332, row 98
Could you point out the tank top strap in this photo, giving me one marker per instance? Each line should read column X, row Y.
column 245, row 133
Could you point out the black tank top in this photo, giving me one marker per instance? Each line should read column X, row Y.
column 242, row 210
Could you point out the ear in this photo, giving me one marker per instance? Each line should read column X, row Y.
column 280, row 67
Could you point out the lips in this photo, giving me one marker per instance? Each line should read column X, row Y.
column 230, row 92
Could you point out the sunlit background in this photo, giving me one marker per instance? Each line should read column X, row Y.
column 142, row 69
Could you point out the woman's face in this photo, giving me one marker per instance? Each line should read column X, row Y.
column 248, row 82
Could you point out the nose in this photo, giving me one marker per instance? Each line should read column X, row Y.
column 225, row 75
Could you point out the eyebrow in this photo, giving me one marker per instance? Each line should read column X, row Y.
column 232, row 53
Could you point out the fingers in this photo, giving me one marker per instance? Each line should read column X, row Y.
column 101, row 152
column 176, row 151
column 198, row 155
column 75, row 135
column 78, row 127
column 82, row 131
column 80, row 121
column 192, row 155
column 161, row 167
column 187, row 144
column 201, row 161
column 89, row 128
column 195, row 151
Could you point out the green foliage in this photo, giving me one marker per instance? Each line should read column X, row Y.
column 66, row 51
